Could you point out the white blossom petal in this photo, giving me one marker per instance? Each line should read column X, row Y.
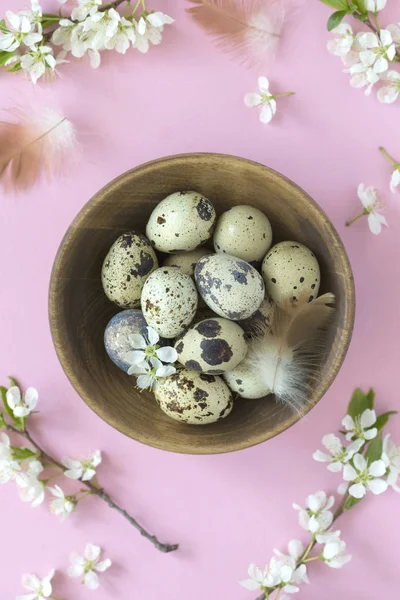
column 91, row 580
column 167, row 354
column 252, row 100
column 357, row 490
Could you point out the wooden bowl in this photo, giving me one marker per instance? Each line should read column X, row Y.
column 79, row 309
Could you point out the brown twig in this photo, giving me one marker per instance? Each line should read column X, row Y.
column 111, row 5
column 339, row 511
column 100, row 493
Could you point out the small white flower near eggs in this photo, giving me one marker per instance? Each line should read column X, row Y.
column 264, row 99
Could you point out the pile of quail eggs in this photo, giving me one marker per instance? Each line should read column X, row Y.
column 206, row 303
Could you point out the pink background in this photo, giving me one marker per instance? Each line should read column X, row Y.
column 225, row 511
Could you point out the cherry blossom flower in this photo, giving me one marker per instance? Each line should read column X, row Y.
column 38, row 588
column 88, row 565
column 10, row 469
column 316, row 517
column 31, row 488
column 85, row 8
column 333, row 553
column 365, row 476
column 395, row 31
column 264, row 99
column 338, row 455
column 361, row 427
column 391, row 458
column 82, row 469
column 390, row 91
column 122, row 38
column 37, row 61
column 34, row 15
column 362, row 76
column 342, row 43
column 376, row 50
column 375, row 5
column 19, row 32
column 258, row 579
column 149, row 373
column 372, row 208
column 22, row 406
column 63, row 35
column 288, row 574
column 62, row 505
column 149, row 29
column 102, row 25
column 146, row 347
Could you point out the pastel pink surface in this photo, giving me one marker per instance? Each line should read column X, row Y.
column 225, row 511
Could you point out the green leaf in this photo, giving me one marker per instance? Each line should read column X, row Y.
column 360, row 402
column 384, row 418
column 351, row 502
column 338, row 4
column 2, row 421
column 10, row 413
column 375, row 449
column 361, row 7
column 22, row 453
column 3, row 25
column 4, row 56
column 336, row 18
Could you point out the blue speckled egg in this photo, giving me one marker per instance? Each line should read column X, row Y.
column 118, row 330
column 229, row 286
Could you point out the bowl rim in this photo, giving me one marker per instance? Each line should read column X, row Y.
column 120, row 425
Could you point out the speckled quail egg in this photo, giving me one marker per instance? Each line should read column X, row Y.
column 169, row 301
column 182, row 221
column 212, row 346
column 117, row 332
column 291, row 274
column 246, row 381
column 261, row 320
column 245, row 232
column 194, row 398
column 229, row 286
column 186, row 261
column 126, row 267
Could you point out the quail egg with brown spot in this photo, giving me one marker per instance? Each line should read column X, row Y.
column 182, row 221
column 247, row 382
column 194, row 398
column 291, row 274
column 169, row 301
column 245, row 232
column 212, row 346
column 126, row 267
column 186, row 261
column 229, row 286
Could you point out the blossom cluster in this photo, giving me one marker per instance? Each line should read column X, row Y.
column 368, row 56
column 24, row 466
column 368, row 463
column 29, row 38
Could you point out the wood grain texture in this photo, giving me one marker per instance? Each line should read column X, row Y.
column 79, row 310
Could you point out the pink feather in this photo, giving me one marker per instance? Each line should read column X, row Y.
column 250, row 29
column 36, row 145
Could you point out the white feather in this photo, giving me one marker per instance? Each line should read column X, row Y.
column 287, row 356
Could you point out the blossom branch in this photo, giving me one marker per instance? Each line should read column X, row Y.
column 99, row 492
column 304, row 559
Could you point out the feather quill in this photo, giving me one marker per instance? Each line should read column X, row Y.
column 37, row 144
column 286, row 356
column 250, row 29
